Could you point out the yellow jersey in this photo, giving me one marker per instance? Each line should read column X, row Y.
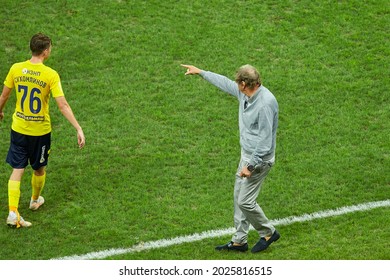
column 33, row 84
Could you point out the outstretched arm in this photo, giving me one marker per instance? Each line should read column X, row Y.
column 68, row 114
column 220, row 81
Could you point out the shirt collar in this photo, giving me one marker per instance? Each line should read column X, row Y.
column 255, row 96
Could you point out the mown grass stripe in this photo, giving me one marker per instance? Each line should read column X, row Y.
column 217, row 233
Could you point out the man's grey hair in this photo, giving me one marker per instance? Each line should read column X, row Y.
column 248, row 74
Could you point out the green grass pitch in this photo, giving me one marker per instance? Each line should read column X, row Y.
column 162, row 148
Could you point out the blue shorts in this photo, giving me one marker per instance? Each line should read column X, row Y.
column 25, row 148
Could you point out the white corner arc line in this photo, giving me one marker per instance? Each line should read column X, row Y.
column 217, row 233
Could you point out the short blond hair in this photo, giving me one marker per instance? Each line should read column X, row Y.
column 248, row 74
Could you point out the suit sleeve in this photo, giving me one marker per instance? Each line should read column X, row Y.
column 221, row 82
column 264, row 141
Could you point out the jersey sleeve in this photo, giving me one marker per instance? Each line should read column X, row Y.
column 9, row 80
column 55, row 86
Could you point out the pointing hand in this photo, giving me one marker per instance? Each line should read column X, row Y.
column 191, row 70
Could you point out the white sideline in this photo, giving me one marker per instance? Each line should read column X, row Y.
column 217, row 233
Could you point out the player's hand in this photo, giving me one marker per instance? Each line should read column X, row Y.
column 80, row 138
column 245, row 173
column 191, row 70
column 1, row 116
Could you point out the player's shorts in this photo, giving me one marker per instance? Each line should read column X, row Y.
column 25, row 148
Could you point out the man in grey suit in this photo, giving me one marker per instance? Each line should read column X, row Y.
column 258, row 122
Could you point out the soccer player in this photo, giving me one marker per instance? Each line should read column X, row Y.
column 258, row 122
column 31, row 127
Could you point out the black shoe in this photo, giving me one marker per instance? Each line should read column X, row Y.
column 231, row 247
column 263, row 244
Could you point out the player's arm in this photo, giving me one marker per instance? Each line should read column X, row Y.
column 68, row 114
column 3, row 99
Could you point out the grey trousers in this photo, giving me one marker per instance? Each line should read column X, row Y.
column 246, row 210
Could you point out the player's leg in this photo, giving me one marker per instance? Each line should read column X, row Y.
column 39, row 155
column 17, row 158
column 37, row 183
column 14, row 189
column 14, row 219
